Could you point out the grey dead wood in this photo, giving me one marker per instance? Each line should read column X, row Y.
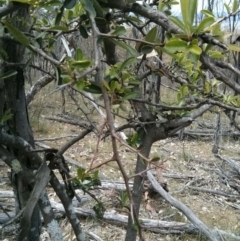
column 210, row 234
column 94, row 236
column 67, row 204
column 45, row 80
column 156, row 226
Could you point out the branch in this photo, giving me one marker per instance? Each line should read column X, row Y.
column 36, row 87
column 156, row 226
column 211, row 235
column 218, row 73
column 157, row 17
column 67, row 203
column 42, row 180
column 73, row 141
column 225, row 18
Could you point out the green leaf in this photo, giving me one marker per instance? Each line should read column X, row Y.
column 227, row 8
column 115, row 107
column 176, row 21
column 88, row 6
column 155, row 159
column 188, row 9
column 106, row 85
column 59, row 16
column 69, row 3
column 235, row 5
column 125, row 46
column 127, row 62
column 215, row 54
column 176, row 45
column 207, row 13
column 94, row 89
column 120, row 30
column 7, row 115
column 234, row 47
column 100, row 20
column 79, row 54
column 81, row 63
column 195, row 49
column 206, row 22
column 18, row 35
column 81, row 84
column 80, row 173
column 133, row 19
column 98, row 8
column 8, row 74
column 151, row 35
column 160, row 5
column 83, row 32
column 146, row 49
column 130, row 96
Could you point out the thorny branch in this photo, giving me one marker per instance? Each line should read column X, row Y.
column 111, row 123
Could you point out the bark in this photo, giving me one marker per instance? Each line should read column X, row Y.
column 67, row 203
column 13, row 97
column 138, row 184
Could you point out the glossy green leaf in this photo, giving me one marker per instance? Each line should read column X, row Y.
column 106, row 85
column 193, row 57
column 176, row 45
column 235, row 5
column 94, row 89
column 127, row 62
column 207, row 13
column 100, row 20
column 176, row 21
column 115, row 107
column 132, row 18
column 8, row 74
column 195, row 49
column 7, row 115
column 151, row 35
column 125, row 46
column 59, row 16
column 131, row 95
column 79, row 54
column 81, row 63
column 120, row 30
column 146, row 49
column 18, row 35
column 88, row 6
column 69, row 3
column 188, row 9
column 215, row 54
column 155, row 159
column 98, row 8
column 83, row 32
column 206, row 22
column 234, row 47
column 160, row 5
column 81, row 84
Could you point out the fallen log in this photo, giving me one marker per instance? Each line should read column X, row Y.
column 156, row 226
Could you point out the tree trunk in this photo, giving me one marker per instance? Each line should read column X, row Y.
column 13, row 96
column 138, row 184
